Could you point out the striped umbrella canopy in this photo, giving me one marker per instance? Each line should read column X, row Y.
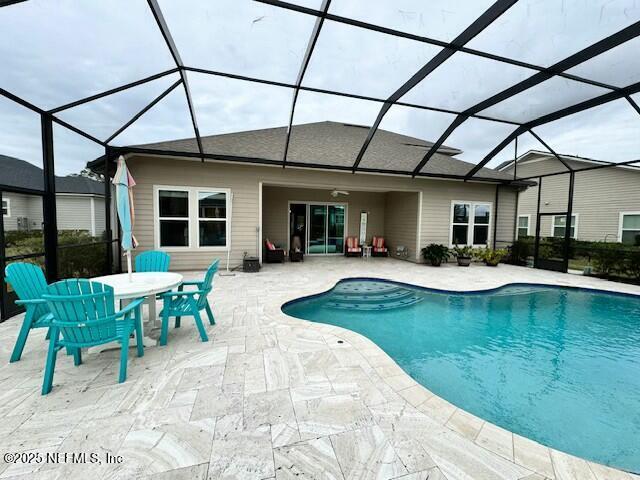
column 124, row 184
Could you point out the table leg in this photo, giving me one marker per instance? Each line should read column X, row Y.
column 153, row 316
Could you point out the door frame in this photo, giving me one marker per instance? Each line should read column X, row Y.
column 307, row 203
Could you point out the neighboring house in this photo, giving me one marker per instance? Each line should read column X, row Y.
column 606, row 201
column 198, row 210
column 79, row 200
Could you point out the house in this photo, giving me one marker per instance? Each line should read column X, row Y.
column 606, row 201
column 79, row 200
column 202, row 210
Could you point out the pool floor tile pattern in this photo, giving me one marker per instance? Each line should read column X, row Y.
column 269, row 396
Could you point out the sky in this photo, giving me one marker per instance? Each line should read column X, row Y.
column 57, row 51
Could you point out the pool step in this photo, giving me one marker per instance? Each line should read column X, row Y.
column 372, row 296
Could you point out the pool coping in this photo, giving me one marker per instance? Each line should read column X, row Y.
column 417, row 395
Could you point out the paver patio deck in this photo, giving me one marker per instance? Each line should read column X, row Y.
column 269, row 396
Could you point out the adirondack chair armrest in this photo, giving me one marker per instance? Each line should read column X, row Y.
column 32, row 302
column 191, row 282
column 190, row 293
column 132, row 306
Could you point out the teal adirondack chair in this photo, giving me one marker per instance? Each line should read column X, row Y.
column 84, row 316
column 29, row 284
column 153, row 261
column 189, row 303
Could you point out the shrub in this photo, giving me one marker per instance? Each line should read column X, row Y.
column 435, row 253
column 607, row 258
column 520, row 250
column 633, row 265
column 465, row 251
column 489, row 256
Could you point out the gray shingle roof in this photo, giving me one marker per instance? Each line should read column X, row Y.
column 331, row 144
column 22, row 174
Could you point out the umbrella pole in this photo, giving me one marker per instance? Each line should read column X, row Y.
column 129, row 264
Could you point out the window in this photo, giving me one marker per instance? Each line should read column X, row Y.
column 191, row 217
column 523, row 225
column 630, row 228
column 173, row 208
column 212, row 219
column 470, row 223
column 6, row 208
column 559, row 223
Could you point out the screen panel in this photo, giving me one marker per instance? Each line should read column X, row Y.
column 528, row 145
column 544, row 32
column 240, row 118
column 610, row 132
column 167, row 121
column 464, row 80
column 363, row 62
column 57, row 52
column 330, row 129
column 546, row 97
column 476, row 138
column 619, row 66
column 437, row 19
column 20, row 146
column 404, row 137
column 104, row 116
column 245, row 38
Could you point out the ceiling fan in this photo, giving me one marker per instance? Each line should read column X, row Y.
column 335, row 193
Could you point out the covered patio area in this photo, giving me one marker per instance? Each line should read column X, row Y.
column 270, row 396
column 322, row 218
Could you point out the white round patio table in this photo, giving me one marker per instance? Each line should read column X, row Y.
column 142, row 284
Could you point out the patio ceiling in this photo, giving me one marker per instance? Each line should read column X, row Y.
column 490, row 78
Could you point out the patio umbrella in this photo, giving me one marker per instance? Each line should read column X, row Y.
column 124, row 184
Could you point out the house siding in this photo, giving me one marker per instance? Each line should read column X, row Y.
column 401, row 222
column 244, row 182
column 599, row 197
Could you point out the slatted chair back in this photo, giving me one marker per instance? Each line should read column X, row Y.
column 27, row 280
column 83, row 310
column 207, row 283
column 153, row 261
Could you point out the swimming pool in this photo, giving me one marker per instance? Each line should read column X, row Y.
column 557, row 365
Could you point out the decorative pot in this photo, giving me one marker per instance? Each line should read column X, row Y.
column 492, row 264
column 435, row 262
column 464, row 261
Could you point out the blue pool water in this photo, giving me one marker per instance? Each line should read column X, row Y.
column 558, row 365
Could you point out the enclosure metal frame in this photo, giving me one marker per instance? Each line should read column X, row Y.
column 49, row 117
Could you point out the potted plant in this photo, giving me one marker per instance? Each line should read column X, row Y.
column 435, row 253
column 463, row 255
column 490, row 257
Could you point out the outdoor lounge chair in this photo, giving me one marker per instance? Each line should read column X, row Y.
column 295, row 253
column 379, row 249
column 84, row 316
column 28, row 281
column 353, row 247
column 189, row 303
column 153, row 261
column 273, row 253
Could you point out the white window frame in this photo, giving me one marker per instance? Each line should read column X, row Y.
column 528, row 217
column 471, row 224
column 6, row 205
column 621, row 221
column 575, row 227
column 226, row 219
column 193, row 218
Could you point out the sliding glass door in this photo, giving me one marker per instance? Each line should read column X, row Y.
column 326, row 229
column 335, row 229
column 317, row 229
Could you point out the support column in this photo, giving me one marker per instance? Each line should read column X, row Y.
column 536, row 247
column 567, row 230
column 50, row 229
column 107, row 212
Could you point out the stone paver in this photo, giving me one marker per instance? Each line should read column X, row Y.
column 269, row 396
